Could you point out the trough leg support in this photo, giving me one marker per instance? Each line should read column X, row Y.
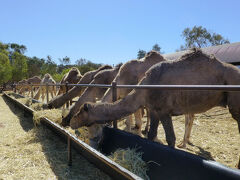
column 69, row 152
column 47, row 92
column 114, row 98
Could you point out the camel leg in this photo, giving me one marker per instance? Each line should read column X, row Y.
column 188, row 127
column 138, row 121
column 43, row 94
column 129, row 123
column 147, row 124
column 154, row 122
column 166, row 121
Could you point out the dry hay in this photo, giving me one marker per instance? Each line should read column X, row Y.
column 214, row 135
column 36, row 153
column 54, row 115
column 131, row 160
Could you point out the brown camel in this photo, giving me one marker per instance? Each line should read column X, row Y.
column 130, row 74
column 72, row 77
column 91, row 94
column 194, row 68
column 59, row 101
column 33, row 80
column 42, row 89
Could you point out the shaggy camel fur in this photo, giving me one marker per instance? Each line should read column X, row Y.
column 194, row 68
column 59, row 101
column 130, row 74
column 33, row 80
column 90, row 94
column 72, row 77
column 42, row 89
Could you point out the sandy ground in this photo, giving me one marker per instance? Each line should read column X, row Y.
column 214, row 136
column 27, row 152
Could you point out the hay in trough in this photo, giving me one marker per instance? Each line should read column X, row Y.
column 54, row 115
column 26, row 101
column 131, row 160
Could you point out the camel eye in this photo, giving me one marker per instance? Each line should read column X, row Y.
column 85, row 107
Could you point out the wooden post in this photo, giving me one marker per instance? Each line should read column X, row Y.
column 114, row 98
column 15, row 88
column 67, row 103
column 31, row 91
column 69, row 152
column 47, row 92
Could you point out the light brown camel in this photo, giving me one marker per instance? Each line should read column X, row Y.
column 59, row 101
column 91, row 94
column 72, row 77
column 194, row 68
column 130, row 74
column 20, row 85
column 33, row 80
column 42, row 89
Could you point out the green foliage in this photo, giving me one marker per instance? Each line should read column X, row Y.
column 34, row 66
column 200, row 37
column 141, row 54
column 157, row 48
column 85, row 65
column 5, row 68
column 65, row 60
column 19, row 66
column 49, row 67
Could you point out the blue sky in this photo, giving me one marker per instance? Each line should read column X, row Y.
column 113, row 31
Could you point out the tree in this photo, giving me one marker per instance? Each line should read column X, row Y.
column 49, row 66
column 5, row 68
column 157, row 48
column 34, row 66
column 141, row 54
column 81, row 61
column 200, row 37
column 19, row 66
column 65, row 60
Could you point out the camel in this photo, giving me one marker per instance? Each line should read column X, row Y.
column 42, row 89
column 59, row 101
column 20, row 85
column 91, row 94
column 72, row 77
column 33, row 80
column 193, row 68
column 130, row 74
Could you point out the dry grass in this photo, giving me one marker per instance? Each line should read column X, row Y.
column 214, row 136
column 131, row 160
column 36, row 153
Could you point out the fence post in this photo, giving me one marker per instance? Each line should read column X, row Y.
column 31, row 91
column 114, row 98
column 15, row 88
column 69, row 152
column 47, row 92
column 67, row 103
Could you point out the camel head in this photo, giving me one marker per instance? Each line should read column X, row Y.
column 84, row 117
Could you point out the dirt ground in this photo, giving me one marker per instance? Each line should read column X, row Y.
column 27, row 152
column 214, row 136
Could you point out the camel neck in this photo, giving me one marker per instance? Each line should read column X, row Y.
column 113, row 111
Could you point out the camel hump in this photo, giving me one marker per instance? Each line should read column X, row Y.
column 104, row 67
column 153, row 55
column 196, row 53
column 47, row 76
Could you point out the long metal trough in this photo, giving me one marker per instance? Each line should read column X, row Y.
column 164, row 162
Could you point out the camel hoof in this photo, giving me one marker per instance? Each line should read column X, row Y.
column 181, row 145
